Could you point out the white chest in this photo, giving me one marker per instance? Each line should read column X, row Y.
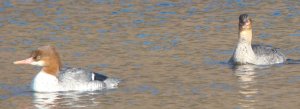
column 244, row 54
column 44, row 82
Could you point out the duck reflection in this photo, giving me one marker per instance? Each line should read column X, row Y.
column 247, row 81
column 45, row 100
column 65, row 99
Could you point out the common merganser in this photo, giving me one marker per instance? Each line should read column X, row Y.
column 245, row 53
column 54, row 78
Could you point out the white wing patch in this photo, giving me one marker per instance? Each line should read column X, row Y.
column 93, row 76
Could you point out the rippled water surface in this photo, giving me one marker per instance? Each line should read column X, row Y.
column 169, row 54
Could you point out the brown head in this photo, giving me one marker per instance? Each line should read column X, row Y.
column 245, row 28
column 245, row 22
column 45, row 56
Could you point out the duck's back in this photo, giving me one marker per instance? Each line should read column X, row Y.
column 80, row 79
column 268, row 55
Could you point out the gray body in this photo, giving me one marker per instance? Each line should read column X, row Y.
column 257, row 54
column 79, row 79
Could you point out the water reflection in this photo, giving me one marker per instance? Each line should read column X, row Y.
column 45, row 100
column 65, row 99
column 247, row 81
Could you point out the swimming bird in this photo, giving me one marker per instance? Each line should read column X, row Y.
column 246, row 53
column 53, row 77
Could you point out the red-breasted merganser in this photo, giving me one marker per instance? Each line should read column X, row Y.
column 54, row 78
column 246, row 53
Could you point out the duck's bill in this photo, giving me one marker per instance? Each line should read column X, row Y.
column 25, row 61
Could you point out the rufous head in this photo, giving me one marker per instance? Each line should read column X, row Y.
column 45, row 56
column 245, row 22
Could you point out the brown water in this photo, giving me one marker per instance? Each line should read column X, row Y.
column 169, row 54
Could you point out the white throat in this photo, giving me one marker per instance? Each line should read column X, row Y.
column 38, row 63
column 244, row 53
column 44, row 82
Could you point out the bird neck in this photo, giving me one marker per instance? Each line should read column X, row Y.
column 52, row 68
column 245, row 36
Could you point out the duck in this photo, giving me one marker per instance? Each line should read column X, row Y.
column 53, row 77
column 256, row 54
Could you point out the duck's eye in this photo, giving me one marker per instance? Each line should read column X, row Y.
column 37, row 58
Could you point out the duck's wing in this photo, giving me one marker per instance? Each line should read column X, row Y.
column 79, row 75
column 268, row 53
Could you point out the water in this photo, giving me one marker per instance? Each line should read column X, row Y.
column 169, row 54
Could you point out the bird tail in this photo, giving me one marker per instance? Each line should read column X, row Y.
column 112, row 83
column 292, row 61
